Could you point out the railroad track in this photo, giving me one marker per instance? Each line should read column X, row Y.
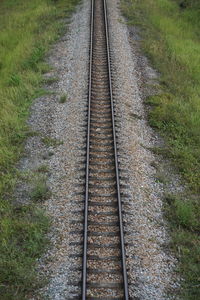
column 104, row 268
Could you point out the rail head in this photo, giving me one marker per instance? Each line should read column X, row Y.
column 85, row 238
column 123, row 255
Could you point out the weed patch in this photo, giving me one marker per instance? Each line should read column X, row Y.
column 50, row 80
column 43, row 169
column 50, row 142
column 40, row 191
column 63, row 98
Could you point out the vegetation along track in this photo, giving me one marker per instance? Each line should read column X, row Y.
column 104, row 270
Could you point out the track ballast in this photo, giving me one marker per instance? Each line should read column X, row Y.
column 104, row 270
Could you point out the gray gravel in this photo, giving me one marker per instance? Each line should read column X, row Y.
column 151, row 266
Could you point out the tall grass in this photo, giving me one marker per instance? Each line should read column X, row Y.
column 28, row 28
column 171, row 40
column 173, row 44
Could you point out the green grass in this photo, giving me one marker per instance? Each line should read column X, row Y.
column 50, row 142
column 28, row 28
column 43, row 169
column 173, row 44
column 63, row 98
column 50, row 80
column 183, row 215
column 171, row 40
column 22, row 242
column 40, row 191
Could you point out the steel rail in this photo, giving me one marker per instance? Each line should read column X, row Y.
column 126, row 296
column 123, row 260
column 84, row 272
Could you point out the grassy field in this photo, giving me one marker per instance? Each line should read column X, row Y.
column 170, row 32
column 28, row 28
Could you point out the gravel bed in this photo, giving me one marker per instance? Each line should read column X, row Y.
column 105, row 277
column 102, row 209
column 104, row 239
column 104, row 252
column 151, row 266
column 102, row 219
column 101, row 265
column 101, row 292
